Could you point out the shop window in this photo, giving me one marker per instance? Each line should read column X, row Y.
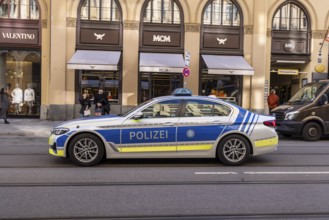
column 158, row 84
column 221, row 12
column 19, row 9
column 100, row 10
column 162, row 11
column 109, row 81
column 290, row 17
column 225, row 87
column 20, row 72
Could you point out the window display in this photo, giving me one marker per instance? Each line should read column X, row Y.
column 109, row 81
column 158, row 84
column 222, row 86
column 20, row 74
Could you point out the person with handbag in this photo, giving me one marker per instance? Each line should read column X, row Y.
column 4, row 105
column 85, row 105
column 102, row 102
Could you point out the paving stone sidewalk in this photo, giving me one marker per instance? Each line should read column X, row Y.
column 27, row 127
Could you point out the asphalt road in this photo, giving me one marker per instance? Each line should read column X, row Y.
column 291, row 183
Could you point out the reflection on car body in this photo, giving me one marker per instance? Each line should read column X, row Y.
column 176, row 126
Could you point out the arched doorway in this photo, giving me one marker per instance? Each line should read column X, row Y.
column 290, row 52
column 161, row 48
column 222, row 65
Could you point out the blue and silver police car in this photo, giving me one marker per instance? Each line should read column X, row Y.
column 176, row 126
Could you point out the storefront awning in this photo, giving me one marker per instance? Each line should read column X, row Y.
column 94, row 60
column 230, row 65
column 161, row 62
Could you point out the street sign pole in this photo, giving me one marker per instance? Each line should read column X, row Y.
column 186, row 70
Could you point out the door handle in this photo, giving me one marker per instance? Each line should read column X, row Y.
column 217, row 122
column 168, row 124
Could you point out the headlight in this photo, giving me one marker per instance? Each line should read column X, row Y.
column 59, row 131
column 291, row 115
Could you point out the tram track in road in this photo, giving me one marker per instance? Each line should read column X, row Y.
column 281, row 216
column 166, row 183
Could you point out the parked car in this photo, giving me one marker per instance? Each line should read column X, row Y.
column 176, row 126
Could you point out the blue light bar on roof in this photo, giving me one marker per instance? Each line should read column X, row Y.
column 182, row 92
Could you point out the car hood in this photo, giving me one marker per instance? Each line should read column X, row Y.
column 91, row 122
column 287, row 107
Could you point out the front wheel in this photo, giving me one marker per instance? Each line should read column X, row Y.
column 86, row 150
column 312, row 131
column 233, row 150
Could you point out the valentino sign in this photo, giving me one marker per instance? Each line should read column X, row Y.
column 23, row 36
column 18, row 36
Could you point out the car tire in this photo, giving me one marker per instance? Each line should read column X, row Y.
column 233, row 150
column 312, row 131
column 86, row 150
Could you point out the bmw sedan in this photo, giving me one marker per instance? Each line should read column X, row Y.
column 175, row 126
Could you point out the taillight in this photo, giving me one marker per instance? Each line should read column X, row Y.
column 271, row 123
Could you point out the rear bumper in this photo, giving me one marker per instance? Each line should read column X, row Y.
column 289, row 127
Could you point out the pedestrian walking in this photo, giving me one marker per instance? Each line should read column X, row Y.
column 85, row 105
column 272, row 100
column 4, row 104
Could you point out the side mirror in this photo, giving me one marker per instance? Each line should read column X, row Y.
column 138, row 115
column 323, row 100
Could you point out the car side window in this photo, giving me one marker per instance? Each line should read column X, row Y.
column 198, row 108
column 162, row 109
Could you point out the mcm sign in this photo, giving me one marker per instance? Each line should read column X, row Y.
column 161, row 38
column 99, row 36
column 221, row 41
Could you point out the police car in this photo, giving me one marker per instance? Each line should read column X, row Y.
column 176, row 126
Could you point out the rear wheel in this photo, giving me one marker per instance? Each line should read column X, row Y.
column 86, row 150
column 233, row 150
column 312, row 131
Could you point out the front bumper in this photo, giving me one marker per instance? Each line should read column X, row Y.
column 54, row 149
column 289, row 127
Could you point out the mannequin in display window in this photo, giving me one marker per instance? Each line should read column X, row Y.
column 29, row 97
column 17, row 95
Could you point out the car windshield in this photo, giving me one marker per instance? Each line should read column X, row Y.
column 308, row 93
column 138, row 106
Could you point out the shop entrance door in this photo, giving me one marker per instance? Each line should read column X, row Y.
column 282, row 85
column 158, row 84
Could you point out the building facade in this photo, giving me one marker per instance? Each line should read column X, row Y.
column 53, row 51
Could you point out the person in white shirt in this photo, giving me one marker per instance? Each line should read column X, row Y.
column 29, row 97
column 17, row 95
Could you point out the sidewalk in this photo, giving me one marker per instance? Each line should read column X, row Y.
column 27, row 127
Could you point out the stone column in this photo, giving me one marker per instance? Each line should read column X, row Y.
column 57, row 70
column 45, row 65
column 192, row 44
column 259, row 56
column 130, row 64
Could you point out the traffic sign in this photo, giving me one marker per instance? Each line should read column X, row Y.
column 186, row 72
column 187, row 58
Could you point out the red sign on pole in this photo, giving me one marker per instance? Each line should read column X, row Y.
column 186, row 72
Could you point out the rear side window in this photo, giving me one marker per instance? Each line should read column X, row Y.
column 199, row 108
